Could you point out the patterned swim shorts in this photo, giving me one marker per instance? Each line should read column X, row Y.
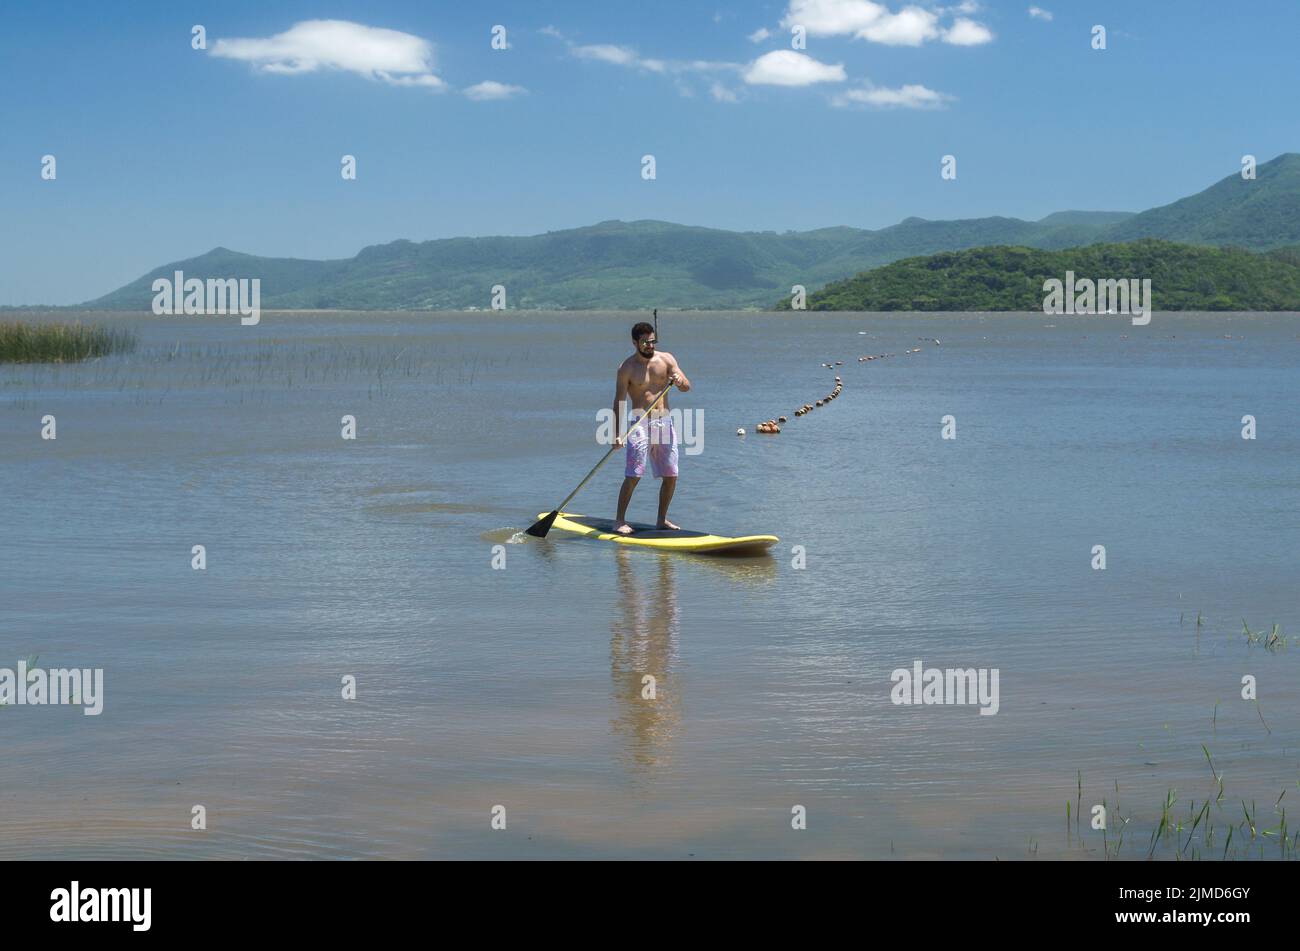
column 656, row 438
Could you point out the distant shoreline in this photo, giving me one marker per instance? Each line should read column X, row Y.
column 788, row 314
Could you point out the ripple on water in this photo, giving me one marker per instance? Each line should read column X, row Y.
column 505, row 536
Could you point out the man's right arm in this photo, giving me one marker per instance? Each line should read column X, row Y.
column 620, row 395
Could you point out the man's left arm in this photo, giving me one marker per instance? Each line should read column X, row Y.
column 683, row 384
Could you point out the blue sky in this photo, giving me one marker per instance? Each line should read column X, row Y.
column 164, row 152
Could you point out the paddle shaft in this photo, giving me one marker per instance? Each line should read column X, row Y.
column 605, row 458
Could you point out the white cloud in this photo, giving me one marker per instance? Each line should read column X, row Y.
column 400, row 59
column 759, row 35
column 607, row 53
column 905, row 97
column 777, row 68
column 721, row 93
column 630, row 58
column 703, row 66
column 832, row 17
column 623, row 56
column 789, row 68
column 911, row 26
column 428, row 79
column 549, row 30
column 964, row 32
column 490, row 89
column 1038, row 13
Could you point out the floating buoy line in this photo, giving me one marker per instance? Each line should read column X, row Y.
column 773, row 426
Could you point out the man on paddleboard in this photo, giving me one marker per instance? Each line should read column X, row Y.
column 640, row 378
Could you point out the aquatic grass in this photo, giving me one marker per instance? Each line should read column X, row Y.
column 1163, row 829
column 60, row 343
column 1218, row 778
column 1204, row 811
column 291, row 364
column 1260, row 711
column 260, row 370
column 1123, row 822
column 1272, row 640
column 1173, row 829
column 1079, row 806
column 1196, row 834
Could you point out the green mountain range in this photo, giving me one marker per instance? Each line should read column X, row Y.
column 1261, row 215
column 642, row 264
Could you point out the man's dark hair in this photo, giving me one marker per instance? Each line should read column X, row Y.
column 640, row 330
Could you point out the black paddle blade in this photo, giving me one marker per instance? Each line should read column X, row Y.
column 539, row 528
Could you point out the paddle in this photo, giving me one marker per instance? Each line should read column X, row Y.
column 539, row 528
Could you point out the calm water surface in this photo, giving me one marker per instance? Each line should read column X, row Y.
column 522, row 687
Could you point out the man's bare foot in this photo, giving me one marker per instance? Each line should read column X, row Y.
column 623, row 528
column 664, row 523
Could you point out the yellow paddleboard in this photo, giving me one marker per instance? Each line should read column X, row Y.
column 648, row 536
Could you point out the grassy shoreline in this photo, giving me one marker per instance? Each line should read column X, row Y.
column 60, row 343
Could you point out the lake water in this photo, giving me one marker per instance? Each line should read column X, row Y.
column 521, row 687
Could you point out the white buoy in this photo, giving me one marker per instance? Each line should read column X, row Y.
column 740, row 432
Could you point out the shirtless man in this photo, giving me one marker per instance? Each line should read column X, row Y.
column 640, row 378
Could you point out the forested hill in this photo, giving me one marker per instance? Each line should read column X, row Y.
column 1183, row 277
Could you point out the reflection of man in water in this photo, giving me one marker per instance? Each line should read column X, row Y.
column 645, row 642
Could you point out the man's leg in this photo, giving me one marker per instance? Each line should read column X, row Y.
column 663, row 459
column 624, row 497
column 637, row 453
column 667, row 485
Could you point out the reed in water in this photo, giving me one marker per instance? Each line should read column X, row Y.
column 60, row 343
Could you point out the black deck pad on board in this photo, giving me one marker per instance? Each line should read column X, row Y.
column 639, row 529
